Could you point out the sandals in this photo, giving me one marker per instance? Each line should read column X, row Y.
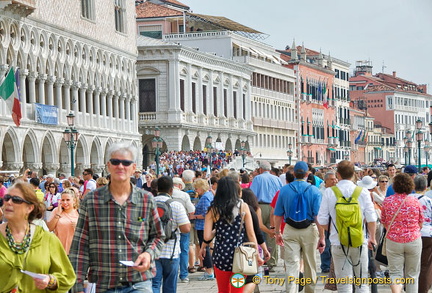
column 201, row 269
column 192, row 270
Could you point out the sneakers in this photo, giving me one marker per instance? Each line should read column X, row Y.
column 206, row 277
column 185, row 280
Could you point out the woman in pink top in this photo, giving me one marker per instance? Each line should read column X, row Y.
column 404, row 244
column 64, row 218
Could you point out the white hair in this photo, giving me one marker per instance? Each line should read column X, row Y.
column 122, row 148
column 188, row 175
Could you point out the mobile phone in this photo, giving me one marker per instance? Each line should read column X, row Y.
column 29, row 173
column 373, row 247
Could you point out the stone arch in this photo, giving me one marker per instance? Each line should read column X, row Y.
column 81, row 154
column 10, row 147
column 109, row 142
column 25, row 38
column 64, row 157
column 48, row 153
column 61, row 48
column 34, row 41
column 238, row 144
column 30, row 154
column 228, row 145
column 197, row 144
column 14, row 33
column 185, row 146
column 21, row 60
column 10, row 59
column 95, row 159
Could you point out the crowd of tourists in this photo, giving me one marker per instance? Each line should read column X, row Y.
column 133, row 232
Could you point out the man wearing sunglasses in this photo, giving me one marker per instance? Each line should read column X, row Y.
column 117, row 222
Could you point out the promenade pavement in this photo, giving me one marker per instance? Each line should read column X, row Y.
column 196, row 286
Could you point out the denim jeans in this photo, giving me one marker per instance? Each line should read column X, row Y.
column 166, row 275
column 140, row 287
column 184, row 254
column 326, row 255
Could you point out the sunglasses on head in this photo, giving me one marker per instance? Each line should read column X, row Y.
column 117, row 162
column 15, row 199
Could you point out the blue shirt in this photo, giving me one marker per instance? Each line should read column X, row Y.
column 202, row 207
column 265, row 187
column 390, row 191
column 313, row 197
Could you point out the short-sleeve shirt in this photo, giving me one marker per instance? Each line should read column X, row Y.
column 405, row 227
column 3, row 191
column 426, row 204
column 179, row 218
column 202, row 207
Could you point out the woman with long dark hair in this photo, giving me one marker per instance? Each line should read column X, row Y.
column 223, row 221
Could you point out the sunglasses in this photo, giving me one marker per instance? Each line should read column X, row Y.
column 85, row 174
column 117, row 162
column 383, row 181
column 373, row 177
column 15, row 199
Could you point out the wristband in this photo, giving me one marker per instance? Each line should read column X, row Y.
column 52, row 284
column 207, row 242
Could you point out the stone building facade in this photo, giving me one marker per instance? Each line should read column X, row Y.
column 76, row 56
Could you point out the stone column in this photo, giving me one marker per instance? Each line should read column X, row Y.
column 96, row 103
column 110, row 108
column 90, row 103
column 134, row 113
column 23, row 94
column 35, row 167
column 50, row 90
column 52, row 168
column 75, row 96
column 41, row 88
column 116, row 109
column 103, row 102
column 32, row 87
column 122, row 98
column 128, row 113
column 59, row 98
column 83, row 104
column 66, row 95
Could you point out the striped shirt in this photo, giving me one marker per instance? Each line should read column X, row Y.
column 107, row 233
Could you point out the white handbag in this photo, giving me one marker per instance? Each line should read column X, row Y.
column 245, row 256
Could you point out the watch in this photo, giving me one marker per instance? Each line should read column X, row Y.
column 272, row 227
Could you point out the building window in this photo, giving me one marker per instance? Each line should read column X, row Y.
column 147, row 95
column 182, row 95
column 235, row 104
column 194, row 97
column 119, row 15
column 204, row 99
column 215, row 101
column 87, row 9
column 225, row 103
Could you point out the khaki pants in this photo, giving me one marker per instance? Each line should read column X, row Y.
column 300, row 244
column 404, row 255
column 271, row 242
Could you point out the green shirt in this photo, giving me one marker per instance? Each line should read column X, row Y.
column 46, row 255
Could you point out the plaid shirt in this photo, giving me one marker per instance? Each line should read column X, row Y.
column 107, row 233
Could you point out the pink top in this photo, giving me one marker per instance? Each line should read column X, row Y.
column 406, row 225
column 3, row 190
column 65, row 227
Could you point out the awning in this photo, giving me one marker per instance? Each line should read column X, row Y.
column 377, row 148
column 331, row 149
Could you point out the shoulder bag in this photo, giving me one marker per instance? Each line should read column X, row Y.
column 381, row 253
column 245, row 255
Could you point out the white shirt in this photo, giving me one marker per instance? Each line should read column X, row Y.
column 185, row 200
column 328, row 204
column 282, row 178
column 179, row 218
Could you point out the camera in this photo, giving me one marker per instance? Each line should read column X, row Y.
column 29, row 173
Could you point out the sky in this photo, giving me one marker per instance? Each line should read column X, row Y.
column 393, row 33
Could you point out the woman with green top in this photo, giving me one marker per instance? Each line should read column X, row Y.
column 25, row 247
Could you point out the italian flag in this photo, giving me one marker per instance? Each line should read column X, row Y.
column 9, row 92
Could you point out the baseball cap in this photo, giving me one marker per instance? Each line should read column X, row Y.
column 411, row 169
column 301, row 167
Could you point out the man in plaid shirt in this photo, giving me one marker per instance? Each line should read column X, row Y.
column 117, row 222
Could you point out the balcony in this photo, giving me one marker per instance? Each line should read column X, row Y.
column 21, row 7
column 310, row 160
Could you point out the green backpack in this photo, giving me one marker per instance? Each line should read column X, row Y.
column 349, row 220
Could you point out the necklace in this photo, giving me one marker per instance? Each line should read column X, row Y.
column 21, row 247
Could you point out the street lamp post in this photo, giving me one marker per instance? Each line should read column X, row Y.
column 419, row 138
column 70, row 136
column 209, row 150
column 157, row 145
column 409, row 145
column 243, row 151
column 289, row 153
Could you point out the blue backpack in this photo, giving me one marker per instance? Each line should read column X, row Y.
column 298, row 211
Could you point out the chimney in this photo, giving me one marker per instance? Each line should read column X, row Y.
column 394, row 73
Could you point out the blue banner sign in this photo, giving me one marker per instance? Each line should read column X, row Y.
column 46, row 114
